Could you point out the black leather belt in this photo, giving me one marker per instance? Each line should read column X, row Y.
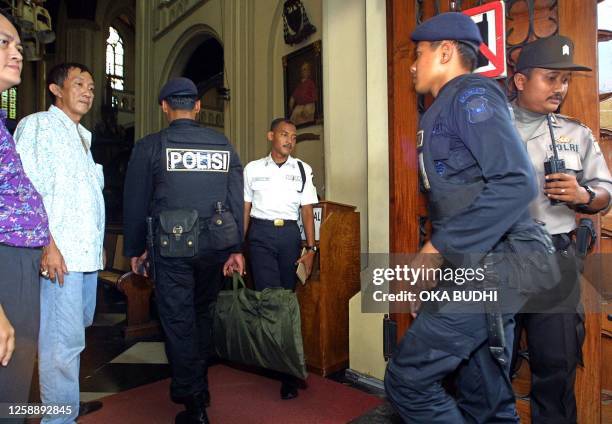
column 274, row 222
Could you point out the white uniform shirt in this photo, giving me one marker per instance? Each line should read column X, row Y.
column 51, row 148
column 583, row 158
column 273, row 190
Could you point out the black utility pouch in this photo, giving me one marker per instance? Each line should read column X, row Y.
column 178, row 233
column 222, row 229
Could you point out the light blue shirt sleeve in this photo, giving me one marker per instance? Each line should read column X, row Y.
column 33, row 147
column 56, row 157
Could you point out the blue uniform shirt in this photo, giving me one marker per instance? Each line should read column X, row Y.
column 474, row 167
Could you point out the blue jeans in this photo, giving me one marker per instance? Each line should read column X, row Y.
column 65, row 312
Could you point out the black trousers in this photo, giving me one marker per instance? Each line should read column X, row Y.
column 20, row 299
column 273, row 252
column 445, row 342
column 555, row 334
column 186, row 290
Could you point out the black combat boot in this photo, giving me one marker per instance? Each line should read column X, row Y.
column 195, row 411
column 289, row 387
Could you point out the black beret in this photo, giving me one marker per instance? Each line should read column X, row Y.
column 449, row 26
column 556, row 52
column 178, row 87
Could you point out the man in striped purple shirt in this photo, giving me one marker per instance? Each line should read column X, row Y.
column 24, row 230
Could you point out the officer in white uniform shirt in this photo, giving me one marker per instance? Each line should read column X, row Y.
column 276, row 188
column 554, row 325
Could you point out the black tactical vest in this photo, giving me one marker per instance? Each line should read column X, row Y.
column 194, row 165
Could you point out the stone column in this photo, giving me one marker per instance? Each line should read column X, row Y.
column 81, row 45
column 238, row 46
column 146, row 105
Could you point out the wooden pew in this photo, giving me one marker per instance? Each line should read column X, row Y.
column 136, row 288
column 324, row 299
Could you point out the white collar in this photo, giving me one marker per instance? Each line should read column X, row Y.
column 290, row 161
column 69, row 123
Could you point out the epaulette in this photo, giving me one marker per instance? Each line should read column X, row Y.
column 571, row 119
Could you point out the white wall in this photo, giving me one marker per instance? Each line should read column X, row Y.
column 378, row 127
column 365, row 330
column 344, row 97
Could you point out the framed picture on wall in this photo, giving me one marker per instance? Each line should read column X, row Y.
column 304, row 85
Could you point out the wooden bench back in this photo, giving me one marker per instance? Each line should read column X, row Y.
column 115, row 261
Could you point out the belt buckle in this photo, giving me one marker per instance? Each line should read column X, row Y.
column 279, row 222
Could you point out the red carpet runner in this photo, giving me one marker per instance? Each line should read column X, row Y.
column 240, row 398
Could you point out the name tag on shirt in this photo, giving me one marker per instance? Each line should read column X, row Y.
column 296, row 178
column 197, row 160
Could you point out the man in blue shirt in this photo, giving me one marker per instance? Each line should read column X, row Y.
column 56, row 153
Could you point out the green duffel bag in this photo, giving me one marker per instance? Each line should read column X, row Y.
column 260, row 328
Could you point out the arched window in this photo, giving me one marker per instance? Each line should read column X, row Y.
column 114, row 59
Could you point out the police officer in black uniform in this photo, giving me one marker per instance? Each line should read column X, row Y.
column 185, row 177
column 478, row 181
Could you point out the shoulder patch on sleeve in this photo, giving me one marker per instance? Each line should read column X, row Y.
column 473, row 91
column 479, row 110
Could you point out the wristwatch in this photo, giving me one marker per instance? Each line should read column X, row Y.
column 592, row 195
column 313, row 248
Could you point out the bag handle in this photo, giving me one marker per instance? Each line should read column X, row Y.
column 302, row 174
column 237, row 281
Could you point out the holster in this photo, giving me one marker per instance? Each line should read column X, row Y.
column 586, row 236
column 223, row 231
column 495, row 323
column 178, row 232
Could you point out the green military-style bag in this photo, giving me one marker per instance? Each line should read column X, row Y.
column 260, row 328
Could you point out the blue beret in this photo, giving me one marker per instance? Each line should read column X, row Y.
column 449, row 26
column 178, row 87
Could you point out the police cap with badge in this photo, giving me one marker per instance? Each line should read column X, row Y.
column 556, row 52
column 449, row 26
